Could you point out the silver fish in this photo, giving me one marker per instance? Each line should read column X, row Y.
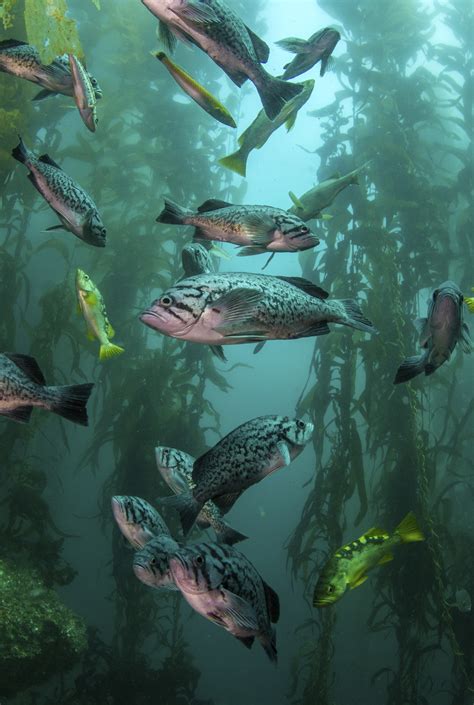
column 176, row 469
column 241, row 459
column 311, row 203
column 23, row 60
column 440, row 332
column 318, row 47
column 22, row 386
column 232, row 307
column 223, row 586
column 151, row 564
column 84, row 94
column 261, row 129
column 219, row 31
column 256, row 229
column 137, row 520
column 196, row 260
column 74, row 207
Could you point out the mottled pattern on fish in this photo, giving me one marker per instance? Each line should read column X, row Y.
column 176, row 468
column 137, row 520
column 196, row 260
column 151, row 563
column 210, row 575
column 311, row 203
column 248, row 454
column 236, row 307
column 17, row 389
column 75, row 208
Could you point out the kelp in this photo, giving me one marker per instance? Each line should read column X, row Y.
column 50, row 30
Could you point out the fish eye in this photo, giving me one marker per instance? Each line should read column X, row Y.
column 103, row 232
column 199, row 560
column 166, row 300
column 300, row 424
column 153, row 561
column 330, row 588
column 305, row 229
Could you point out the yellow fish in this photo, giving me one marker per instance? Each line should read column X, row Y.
column 91, row 305
column 349, row 565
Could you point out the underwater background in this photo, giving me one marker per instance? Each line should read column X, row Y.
column 76, row 626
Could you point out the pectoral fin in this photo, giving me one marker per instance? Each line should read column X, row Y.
column 197, row 13
column 233, row 309
column 422, row 326
column 240, row 612
column 166, row 36
column 284, row 452
column 358, row 581
column 290, row 123
column 296, row 201
column 385, row 559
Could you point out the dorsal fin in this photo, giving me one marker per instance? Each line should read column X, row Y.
column 375, row 531
column 10, row 43
column 213, row 204
column 262, row 49
column 306, row 286
column 46, row 159
column 29, row 366
column 273, row 602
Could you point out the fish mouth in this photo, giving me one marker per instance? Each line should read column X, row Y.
column 321, row 602
column 149, row 314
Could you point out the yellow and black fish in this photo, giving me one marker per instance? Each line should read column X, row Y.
column 92, row 306
column 349, row 566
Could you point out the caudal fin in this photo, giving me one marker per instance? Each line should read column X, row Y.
column 411, row 367
column 268, row 642
column 110, row 350
column 408, row 529
column 187, row 507
column 20, row 152
column 235, row 162
column 356, row 318
column 172, row 213
column 274, row 93
column 70, row 402
column 230, row 536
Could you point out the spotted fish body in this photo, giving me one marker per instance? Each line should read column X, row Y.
column 176, row 468
column 151, row 564
column 261, row 129
column 84, row 94
column 196, row 260
column 318, row 47
column 23, row 60
column 257, row 229
column 92, row 306
column 217, row 30
column 138, row 521
column 231, row 307
column 349, row 565
column 241, row 459
column 74, row 207
column 22, row 387
column 440, row 332
column 311, row 203
column 223, row 586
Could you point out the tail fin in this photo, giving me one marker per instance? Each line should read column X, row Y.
column 235, row 162
column 229, row 535
column 172, row 213
column 268, row 642
column 20, row 152
column 187, row 506
column 274, row 93
column 110, row 350
column 70, row 402
column 408, row 529
column 356, row 317
column 411, row 367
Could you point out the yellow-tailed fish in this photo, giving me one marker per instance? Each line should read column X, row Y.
column 349, row 566
column 469, row 303
column 197, row 92
column 92, row 307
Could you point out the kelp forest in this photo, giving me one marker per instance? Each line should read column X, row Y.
column 76, row 626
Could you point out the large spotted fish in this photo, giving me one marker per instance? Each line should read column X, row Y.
column 222, row 585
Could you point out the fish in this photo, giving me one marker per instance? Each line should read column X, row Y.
column 84, row 94
column 176, row 469
column 261, row 129
column 151, row 564
column 198, row 93
column 311, row 203
column 91, row 304
column 216, row 29
column 23, row 60
column 469, row 301
column 138, row 521
column 222, row 585
column 74, row 207
column 309, row 52
column 196, row 259
column 245, row 456
column 440, row 332
column 255, row 229
column 230, row 308
column 348, row 567
column 23, row 386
